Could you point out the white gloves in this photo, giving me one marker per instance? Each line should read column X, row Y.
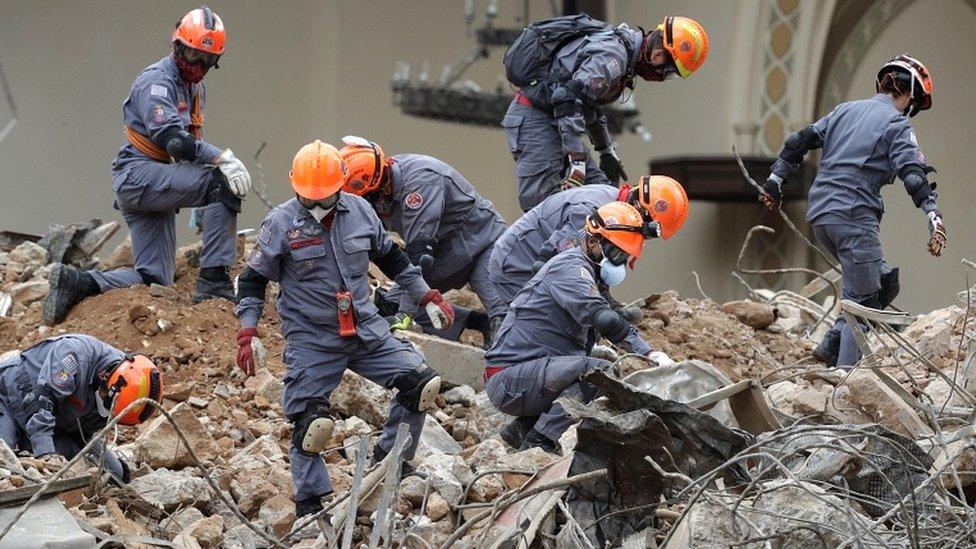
column 660, row 358
column 604, row 352
column 238, row 178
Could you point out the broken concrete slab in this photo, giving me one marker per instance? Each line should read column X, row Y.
column 884, row 405
column 171, row 489
column 448, row 475
column 456, row 363
column 357, row 396
column 160, row 446
column 434, row 439
column 28, row 292
column 45, row 524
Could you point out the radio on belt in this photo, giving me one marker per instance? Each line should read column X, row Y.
column 347, row 317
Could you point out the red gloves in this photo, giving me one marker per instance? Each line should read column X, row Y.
column 440, row 312
column 245, row 353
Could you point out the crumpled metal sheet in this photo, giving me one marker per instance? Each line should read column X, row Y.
column 686, row 381
column 617, row 433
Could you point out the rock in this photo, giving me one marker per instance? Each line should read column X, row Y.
column 251, row 493
column 266, row 384
column 750, row 313
column 433, row 533
column 186, row 541
column 486, row 454
column 448, row 475
column 121, row 523
column 532, row 459
column 357, row 396
column 208, row 532
column 939, row 392
column 242, row 537
column 182, row 520
column 278, row 513
column 437, row 508
column 932, row 332
column 168, row 292
column 413, row 489
column 884, row 405
column 485, row 418
column 350, row 428
column 29, row 254
column 159, row 445
column 171, row 489
column 567, row 442
column 26, row 293
column 487, row 488
column 178, row 391
column 121, row 257
column 265, row 446
column 198, row 402
column 435, row 439
column 462, row 394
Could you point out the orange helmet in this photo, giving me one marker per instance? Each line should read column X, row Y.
column 909, row 73
column 663, row 199
column 317, row 171
column 686, row 41
column 621, row 224
column 366, row 163
column 201, row 29
column 134, row 378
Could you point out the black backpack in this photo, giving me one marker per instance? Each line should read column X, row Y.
column 528, row 59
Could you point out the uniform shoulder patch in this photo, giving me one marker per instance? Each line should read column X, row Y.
column 597, row 83
column 413, row 201
column 613, row 67
column 68, row 367
column 159, row 114
column 264, row 235
column 158, row 91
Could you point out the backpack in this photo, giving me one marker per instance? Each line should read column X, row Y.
column 528, row 59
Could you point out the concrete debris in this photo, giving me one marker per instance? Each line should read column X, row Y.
column 850, row 450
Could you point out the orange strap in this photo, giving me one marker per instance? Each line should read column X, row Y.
column 148, row 148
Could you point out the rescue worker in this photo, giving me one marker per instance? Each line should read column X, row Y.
column 57, row 394
column 448, row 228
column 865, row 143
column 546, row 121
column 553, row 226
column 317, row 246
column 542, row 346
column 163, row 165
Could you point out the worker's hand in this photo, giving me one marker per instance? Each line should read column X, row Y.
column 772, row 195
column 604, row 352
column 53, row 462
column 660, row 358
column 246, row 360
column 426, row 263
column 633, row 315
column 576, row 174
column 401, row 321
column 238, row 178
column 938, row 239
column 611, row 166
column 537, row 266
column 440, row 312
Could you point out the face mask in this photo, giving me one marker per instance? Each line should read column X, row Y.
column 612, row 274
column 319, row 212
column 100, row 406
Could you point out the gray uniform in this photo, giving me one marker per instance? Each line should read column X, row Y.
column 542, row 343
column 312, row 264
column 554, row 225
column 865, row 144
column 149, row 192
column 47, row 396
column 598, row 66
column 432, row 204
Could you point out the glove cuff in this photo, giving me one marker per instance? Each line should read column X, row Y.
column 247, row 332
column 776, row 178
column 577, row 157
column 431, row 296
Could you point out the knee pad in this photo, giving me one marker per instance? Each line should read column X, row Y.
column 313, row 429
column 418, row 388
column 890, row 286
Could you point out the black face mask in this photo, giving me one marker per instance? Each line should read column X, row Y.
column 646, row 70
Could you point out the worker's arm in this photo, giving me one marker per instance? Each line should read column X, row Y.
column 422, row 207
column 263, row 265
column 156, row 99
column 577, row 293
column 56, row 381
column 394, row 263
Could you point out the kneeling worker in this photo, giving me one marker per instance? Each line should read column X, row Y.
column 57, row 394
column 318, row 246
column 542, row 346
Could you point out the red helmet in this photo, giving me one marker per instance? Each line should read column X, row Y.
column 135, row 378
column 201, row 29
column 909, row 76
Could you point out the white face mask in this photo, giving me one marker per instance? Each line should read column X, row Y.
column 100, row 405
column 319, row 212
column 612, row 274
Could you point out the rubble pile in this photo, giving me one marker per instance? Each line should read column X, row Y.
column 853, row 459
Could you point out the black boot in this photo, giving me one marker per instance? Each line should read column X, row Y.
column 308, row 506
column 406, row 470
column 214, row 282
column 514, row 433
column 828, row 349
column 68, row 286
column 535, row 439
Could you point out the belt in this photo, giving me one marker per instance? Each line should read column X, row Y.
column 521, row 99
column 490, row 371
